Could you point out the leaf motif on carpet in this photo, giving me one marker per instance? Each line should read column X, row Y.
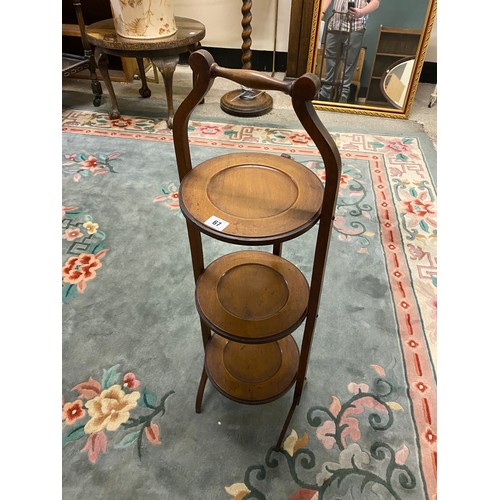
column 349, row 452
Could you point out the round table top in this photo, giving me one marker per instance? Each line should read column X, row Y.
column 103, row 34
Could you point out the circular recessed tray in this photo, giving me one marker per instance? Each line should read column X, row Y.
column 259, row 197
column 252, row 374
column 252, row 296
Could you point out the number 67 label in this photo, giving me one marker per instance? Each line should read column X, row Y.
column 216, row 223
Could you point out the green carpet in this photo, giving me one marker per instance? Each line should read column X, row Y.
column 132, row 350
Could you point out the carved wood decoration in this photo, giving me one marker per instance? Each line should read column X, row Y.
column 246, row 57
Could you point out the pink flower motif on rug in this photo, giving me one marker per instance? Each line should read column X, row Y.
column 169, row 198
column 72, row 234
column 82, row 165
column 418, row 209
column 79, row 270
column 122, row 122
column 73, row 411
column 83, row 251
column 210, row 130
column 400, row 150
column 299, row 138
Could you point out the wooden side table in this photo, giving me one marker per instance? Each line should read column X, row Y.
column 163, row 53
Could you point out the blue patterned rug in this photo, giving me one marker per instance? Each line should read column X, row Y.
column 132, row 349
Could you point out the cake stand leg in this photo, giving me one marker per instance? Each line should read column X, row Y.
column 285, row 425
column 201, row 389
column 206, row 335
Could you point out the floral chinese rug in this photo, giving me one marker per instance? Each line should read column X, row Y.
column 132, row 348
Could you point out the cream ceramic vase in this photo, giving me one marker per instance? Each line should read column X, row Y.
column 143, row 18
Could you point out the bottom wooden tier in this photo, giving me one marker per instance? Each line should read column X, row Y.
column 252, row 373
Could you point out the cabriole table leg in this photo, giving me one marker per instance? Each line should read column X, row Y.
column 144, row 90
column 103, row 65
column 166, row 65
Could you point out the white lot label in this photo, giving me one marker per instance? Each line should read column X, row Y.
column 216, row 223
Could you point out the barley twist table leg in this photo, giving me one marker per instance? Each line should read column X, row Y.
column 246, row 57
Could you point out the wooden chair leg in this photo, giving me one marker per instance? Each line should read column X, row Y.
column 94, row 81
column 144, row 90
column 97, row 91
column 103, row 65
column 87, row 51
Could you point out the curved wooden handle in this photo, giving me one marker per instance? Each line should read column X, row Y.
column 252, row 79
column 307, row 85
column 302, row 90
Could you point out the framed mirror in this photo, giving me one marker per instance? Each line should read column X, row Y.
column 397, row 32
column 396, row 80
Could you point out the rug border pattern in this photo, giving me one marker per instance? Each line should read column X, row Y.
column 421, row 387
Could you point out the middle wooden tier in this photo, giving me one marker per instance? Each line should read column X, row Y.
column 252, row 297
